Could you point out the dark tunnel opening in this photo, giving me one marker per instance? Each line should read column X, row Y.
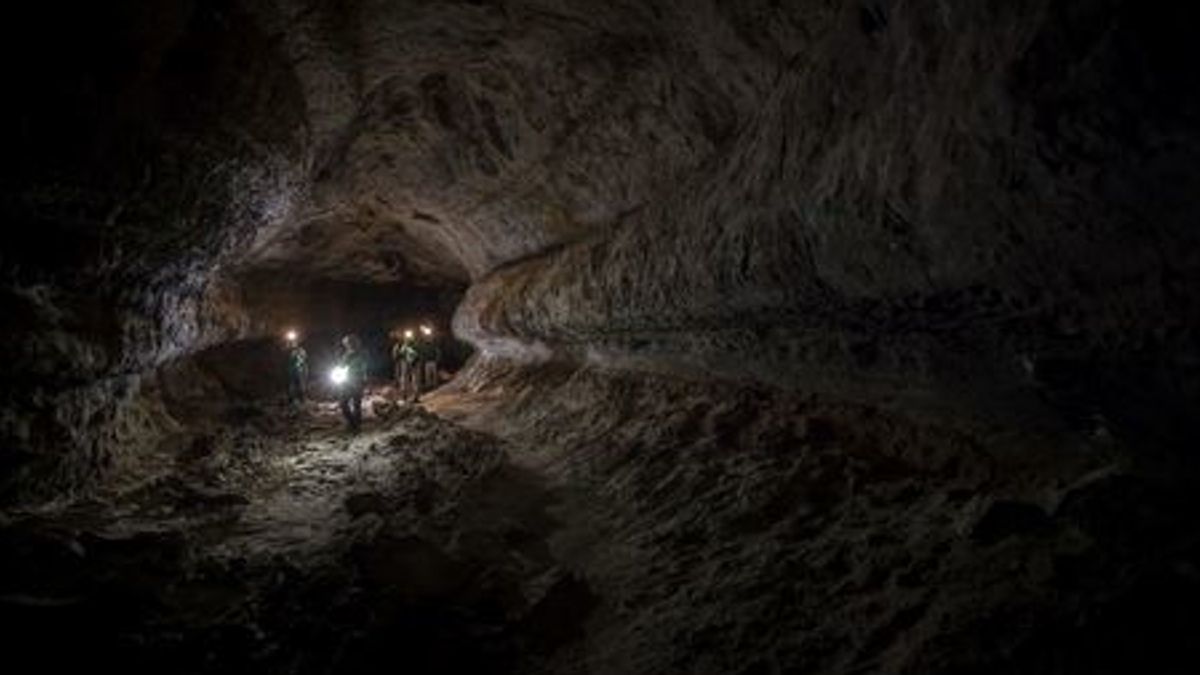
column 323, row 311
column 770, row 337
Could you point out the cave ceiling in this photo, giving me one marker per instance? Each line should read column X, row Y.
column 447, row 139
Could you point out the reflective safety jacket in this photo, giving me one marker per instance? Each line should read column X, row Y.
column 404, row 352
column 298, row 360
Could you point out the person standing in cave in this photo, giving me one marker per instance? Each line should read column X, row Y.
column 430, row 354
column 354, row 382
column 404, row 361
column 297, row 366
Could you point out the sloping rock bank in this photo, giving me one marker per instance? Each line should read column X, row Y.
column 741, row 530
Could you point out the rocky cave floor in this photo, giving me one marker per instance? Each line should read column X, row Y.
column 678, row 529
column 282, row 542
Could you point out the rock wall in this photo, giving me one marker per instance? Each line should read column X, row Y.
column 982, row 206
column 847, row 337
column 971, row 204
column 143, row 151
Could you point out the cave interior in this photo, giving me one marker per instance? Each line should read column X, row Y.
column 777, row 336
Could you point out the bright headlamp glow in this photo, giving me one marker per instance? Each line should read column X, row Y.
column 408, row 334
column 292, row 335
column 426, row 331
column 339, row 375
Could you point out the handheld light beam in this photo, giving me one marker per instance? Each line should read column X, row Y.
column 339, row 375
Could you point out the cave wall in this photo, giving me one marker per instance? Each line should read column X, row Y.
column 144, row 145
column 961, row 205
column 923, row 202
column 745, row 278
column 970, row 204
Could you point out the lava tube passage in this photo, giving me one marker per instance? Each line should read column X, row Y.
column 540, row 337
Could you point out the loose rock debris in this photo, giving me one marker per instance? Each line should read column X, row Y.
column 291, row 548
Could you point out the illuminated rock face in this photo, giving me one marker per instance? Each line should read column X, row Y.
column 810, row 310
column 873, row 200
column 876, row 201
column 943, row 199
column 879, row 201
column 456, row 138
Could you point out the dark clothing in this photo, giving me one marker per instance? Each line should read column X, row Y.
column 351, row 406
column 429, row 353
column 406, row 380
column 429, row 378
column 428, row 350
column 356, row 367
column 298, row 359
column 351, row 393
column 297, row 374
column 297, row 387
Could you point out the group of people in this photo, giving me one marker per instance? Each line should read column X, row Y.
column 415, row 362
column 415, row 367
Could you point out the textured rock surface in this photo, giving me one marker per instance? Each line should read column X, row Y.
column 850, row 337
column 253, row 545
column 143, row 153
column 874, row 199
column 943, row 203
column 744, row 530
